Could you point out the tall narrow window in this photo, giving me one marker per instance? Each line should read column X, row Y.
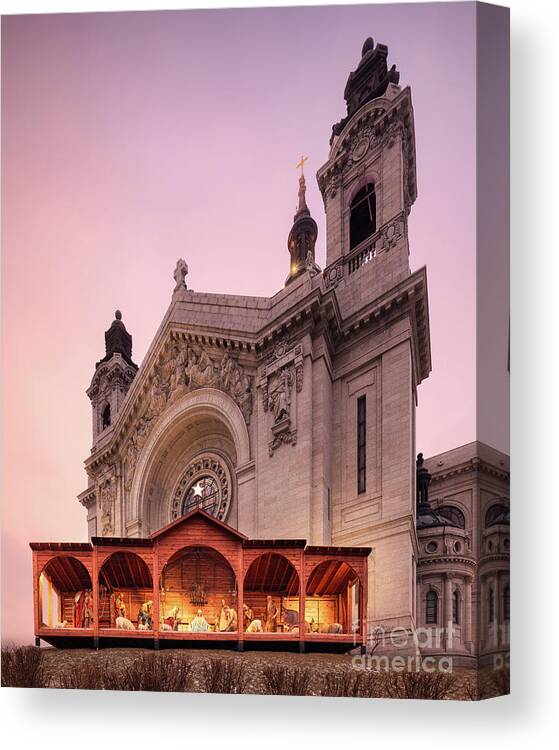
column 361, row 442
column 106, row 416
column 362, row 216
column 506, row 603
column 455, row 609
column 431, row 608
column 491, row 606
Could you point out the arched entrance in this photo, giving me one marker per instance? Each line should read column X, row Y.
column 271, row 592
column 125, row 584
column 203, row 425
column 334, row 598
column 198, row 592
column 65, row 594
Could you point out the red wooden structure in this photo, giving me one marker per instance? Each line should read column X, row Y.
column 199, row 563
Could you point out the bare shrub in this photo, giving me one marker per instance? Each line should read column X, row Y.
column 223, row 676
column 421, row 685
column 494, row 683
column 21, row 667
column 281, row 680
column 346, row 684
column 163, row 673
column 83, row 676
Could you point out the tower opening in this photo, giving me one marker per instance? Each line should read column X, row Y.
column 363, row 215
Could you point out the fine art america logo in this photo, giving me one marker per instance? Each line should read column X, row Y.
column 397, row 638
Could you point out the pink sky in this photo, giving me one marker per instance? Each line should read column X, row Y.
column 131, row 139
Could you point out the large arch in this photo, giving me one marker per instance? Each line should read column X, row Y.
column 204, row 419
column 62, row 585
column 271, row 578
column 198, row 577
column 334, row 597
column 126, row 575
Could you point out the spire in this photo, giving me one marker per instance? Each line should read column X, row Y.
column 118, row 341
column 303, row 234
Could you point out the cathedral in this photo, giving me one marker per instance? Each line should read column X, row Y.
column 320, row 383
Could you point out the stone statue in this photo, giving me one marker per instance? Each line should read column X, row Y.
column 200, row 370
column 279, row 396
column 179, row 275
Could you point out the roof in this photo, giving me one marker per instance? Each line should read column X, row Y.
column 282, row 543
column 193, row 513
column 121, row 541
column 359, row 551
column 61, row 546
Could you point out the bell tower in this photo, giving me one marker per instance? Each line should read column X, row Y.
column 368, row 183
column 111, row 381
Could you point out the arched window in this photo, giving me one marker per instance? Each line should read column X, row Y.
column 454, row 515
column 506, row 603
column 431, row 608
column 491, row 605
column 456, row 608
column 106, row 416
column 362, row 216
column 497, row 514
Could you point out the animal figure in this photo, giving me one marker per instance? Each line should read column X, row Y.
column 61, row 624
column 332, row 628
column 295, row 628
column 143, row 626
column 165, row 626
column 255, row 627
column 123, row 623
column 290, row 617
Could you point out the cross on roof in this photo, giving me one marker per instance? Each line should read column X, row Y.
column 302, row 163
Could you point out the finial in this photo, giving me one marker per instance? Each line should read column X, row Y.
column 301, row 164
column 302, row 208
column 118, row 315
column 181, row 270
column 369, row 44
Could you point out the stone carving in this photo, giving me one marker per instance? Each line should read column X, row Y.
column 106, row 492
column 287, row 437
column 392, row 232
column 182, row 369
column 284, row 369
column 279, row 398
column 333, row 275
column 179, row 274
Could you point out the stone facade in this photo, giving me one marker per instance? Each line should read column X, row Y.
column 465, row 558
column 302, row 405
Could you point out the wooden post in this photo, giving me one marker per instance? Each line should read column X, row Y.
column 302, row 596
column 95, row 584
column 49, row 602
column 36, row 595
column 363, row 603
column 240, row 599
column 156, row 603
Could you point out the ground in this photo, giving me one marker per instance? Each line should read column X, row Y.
column 318, row 668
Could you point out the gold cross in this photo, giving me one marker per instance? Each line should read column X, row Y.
column 302, row 163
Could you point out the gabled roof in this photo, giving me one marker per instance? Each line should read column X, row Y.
column 193, row 513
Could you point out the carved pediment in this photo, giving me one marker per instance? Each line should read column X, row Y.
column 184, row 367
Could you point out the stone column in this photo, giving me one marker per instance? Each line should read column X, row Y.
column 447, row 622
column 498, row 609
column 468, row 613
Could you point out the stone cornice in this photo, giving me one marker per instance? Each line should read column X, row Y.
column 472, row 465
